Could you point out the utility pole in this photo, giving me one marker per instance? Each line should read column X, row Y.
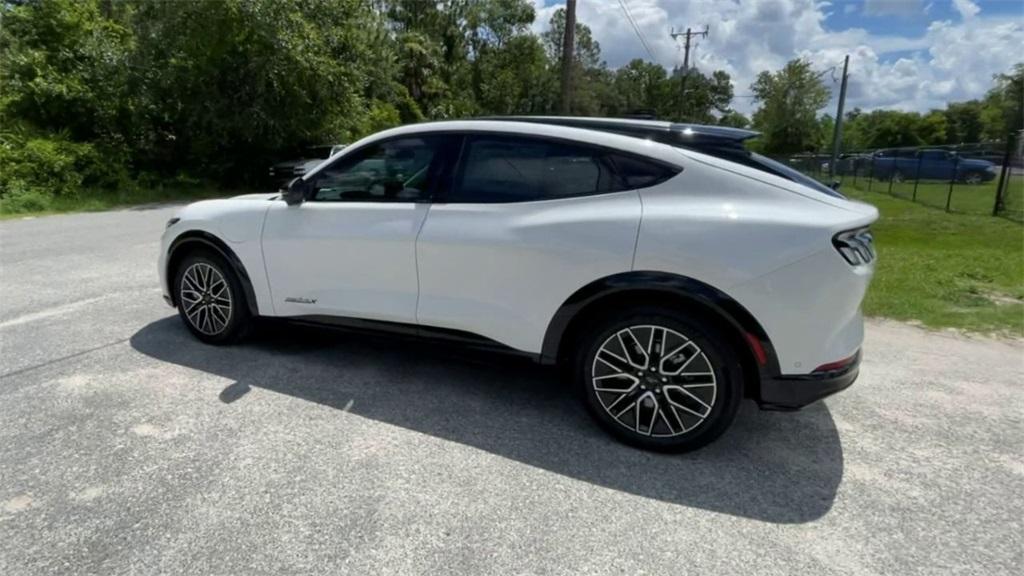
column 687, row 37
column 568, row 55
column 837, row 135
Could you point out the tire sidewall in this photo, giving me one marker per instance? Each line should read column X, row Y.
column 240, row 316
column 728, row 376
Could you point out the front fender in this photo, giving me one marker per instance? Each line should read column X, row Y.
column 196, row 238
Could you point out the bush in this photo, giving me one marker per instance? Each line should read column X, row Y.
column 19, row 198
column 54, row 166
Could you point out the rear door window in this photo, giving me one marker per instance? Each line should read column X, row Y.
column 522, row 169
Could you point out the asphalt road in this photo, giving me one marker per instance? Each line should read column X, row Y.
column 127, row 447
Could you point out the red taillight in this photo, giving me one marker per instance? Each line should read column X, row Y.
column 755, row 345
column 837, row 365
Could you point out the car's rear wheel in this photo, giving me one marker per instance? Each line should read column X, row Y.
column 210, row 299
column 658, row 379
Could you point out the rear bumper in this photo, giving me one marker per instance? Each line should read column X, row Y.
column 786, row 392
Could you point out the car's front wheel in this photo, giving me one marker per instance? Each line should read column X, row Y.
column 973, row 178
column 210, row 299
column 659, row 380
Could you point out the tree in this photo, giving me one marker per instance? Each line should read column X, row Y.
column 228, row 83
column 963, row 122
column 694, row 97
column 891, row 129
column 639, row 87
column 932, row 127
column 734, row 119
column 1003, row 107
column 591, row 79
column 64, row 67
column 513, row 78
column 826, row 129
column 790, row 100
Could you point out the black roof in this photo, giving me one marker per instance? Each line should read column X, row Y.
column 718, row 141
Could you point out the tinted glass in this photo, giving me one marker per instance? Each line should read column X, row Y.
column 395, row 171
column 513, row 169
column 934, row 155
column 781, row 169
column 632, row 173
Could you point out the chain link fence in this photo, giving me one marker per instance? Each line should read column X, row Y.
column 970, row 178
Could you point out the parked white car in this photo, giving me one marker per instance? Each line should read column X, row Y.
column 672, row 271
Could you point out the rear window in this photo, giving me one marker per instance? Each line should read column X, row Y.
column 780, row 169
column 737, row 153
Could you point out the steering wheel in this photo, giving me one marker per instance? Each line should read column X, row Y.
column 384, row 187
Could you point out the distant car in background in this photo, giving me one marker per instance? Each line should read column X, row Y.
column 284, row 172
column 850, row 163
column 931, row 165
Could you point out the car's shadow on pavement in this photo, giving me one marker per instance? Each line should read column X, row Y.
column 776, row 467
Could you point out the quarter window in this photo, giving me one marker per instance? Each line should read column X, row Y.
column 632, row 173
column 393, row 171
column 514, row 169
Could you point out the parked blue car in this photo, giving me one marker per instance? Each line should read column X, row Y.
column 931, row 165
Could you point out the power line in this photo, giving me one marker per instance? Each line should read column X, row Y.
column 636, row 28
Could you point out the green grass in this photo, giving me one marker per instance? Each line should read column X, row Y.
column 94, row 201
column 945, row 270
column 964, row 198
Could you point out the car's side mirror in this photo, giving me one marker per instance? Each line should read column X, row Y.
column 835, row 185
column 295, row 192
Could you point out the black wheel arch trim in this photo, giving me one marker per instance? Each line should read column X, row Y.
column 670, row 284
column 201, row 238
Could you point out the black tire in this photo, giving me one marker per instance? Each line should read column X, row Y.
column 239, row 320
column 690, row 431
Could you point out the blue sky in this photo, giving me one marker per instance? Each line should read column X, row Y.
column 905, row 54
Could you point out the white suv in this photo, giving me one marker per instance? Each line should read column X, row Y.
column 671, row 270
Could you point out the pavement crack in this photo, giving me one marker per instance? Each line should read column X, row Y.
column 62, row 358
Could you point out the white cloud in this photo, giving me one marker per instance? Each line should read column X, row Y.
column 966, row 8
column 893, row 7
column 948, row 62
